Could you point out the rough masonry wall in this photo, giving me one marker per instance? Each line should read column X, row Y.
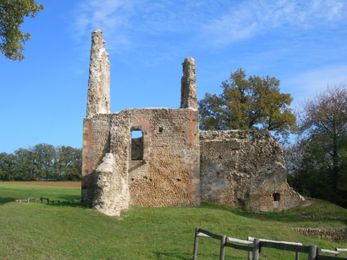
column 245, row 169
column 169, row 173
column 111, row 193
column 96, row 142
column 105, row 163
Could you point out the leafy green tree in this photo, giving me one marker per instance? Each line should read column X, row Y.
column 45, row 158
column 12, row 14
column 69, row 163
column 322, row 169
column 7, row 166
column 248, row 103
column 26, row 167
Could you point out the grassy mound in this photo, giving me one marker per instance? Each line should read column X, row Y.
column 41, row 231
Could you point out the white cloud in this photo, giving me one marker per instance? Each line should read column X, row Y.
column 254, row 16
column 129, row 23
column 109, row 15
column 124, row 20
column 309, row 84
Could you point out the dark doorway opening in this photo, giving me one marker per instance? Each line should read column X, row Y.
column 276, row 196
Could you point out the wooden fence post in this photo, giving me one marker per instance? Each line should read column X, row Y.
column 222, row 248
column 196, row 241
column 312, row 254
column 256, row 249
column 249, row 253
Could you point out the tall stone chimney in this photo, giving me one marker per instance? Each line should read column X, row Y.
column 99, row 77
column 188, row 85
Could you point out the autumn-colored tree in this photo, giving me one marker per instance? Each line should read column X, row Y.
column 12, row 14
column 324, row 146
column 248, row 103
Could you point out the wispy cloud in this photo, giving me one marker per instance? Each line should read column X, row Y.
column 252, row 17
column 130, row 23
column 125, row 21
column 110, row 15
column 310, row 83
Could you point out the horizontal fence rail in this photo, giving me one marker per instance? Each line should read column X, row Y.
column 206, row 234
column 254, row 245
column 282, row 245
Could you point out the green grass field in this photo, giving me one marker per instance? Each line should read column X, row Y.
column 39, row 231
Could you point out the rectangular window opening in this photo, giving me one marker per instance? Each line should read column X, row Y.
column 136, row 144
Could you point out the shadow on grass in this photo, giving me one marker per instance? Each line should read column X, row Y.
column 302, row 214
column 4, row 200
column 66, row 200
column 70, row 197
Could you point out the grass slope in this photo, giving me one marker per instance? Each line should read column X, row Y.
column 40, row 231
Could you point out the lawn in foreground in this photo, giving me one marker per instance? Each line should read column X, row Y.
column 41, row 231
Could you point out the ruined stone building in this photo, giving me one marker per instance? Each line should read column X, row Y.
column 171, row 162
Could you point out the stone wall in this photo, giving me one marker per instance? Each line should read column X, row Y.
column 96, row 142
column 245, row 169
column 168, row 174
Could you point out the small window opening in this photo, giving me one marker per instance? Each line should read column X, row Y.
column 136, row 144
column 276, row 196
column 161, row 129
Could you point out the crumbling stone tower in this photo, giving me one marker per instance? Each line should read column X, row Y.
column 188, row 85
column 99, row 78
column 159, row 168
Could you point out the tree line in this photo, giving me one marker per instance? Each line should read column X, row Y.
column 317, row 158
column 41, row 162
column 317, row 161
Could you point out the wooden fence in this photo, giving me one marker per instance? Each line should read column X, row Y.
column 254, row 245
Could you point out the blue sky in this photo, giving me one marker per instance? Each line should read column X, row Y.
column 43, row 97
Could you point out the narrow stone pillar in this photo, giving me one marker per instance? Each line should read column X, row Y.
column 99, row 77
column 188, row 85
